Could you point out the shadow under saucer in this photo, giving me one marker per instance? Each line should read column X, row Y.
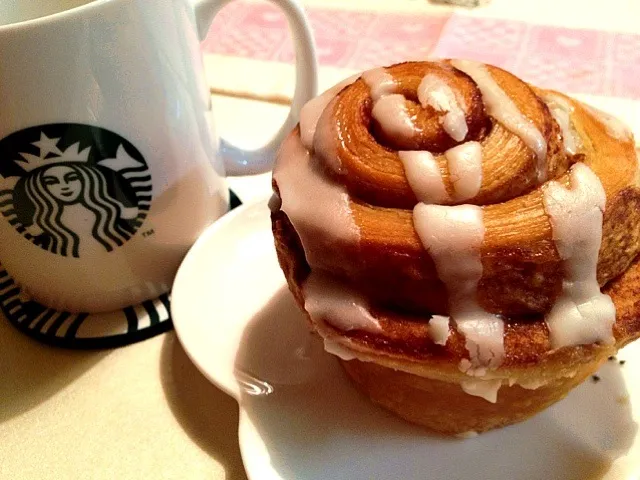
column 208, row 415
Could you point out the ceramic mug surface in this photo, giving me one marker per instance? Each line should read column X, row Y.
column 110, row 167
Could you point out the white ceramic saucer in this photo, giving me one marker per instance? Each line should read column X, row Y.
column 300, row 419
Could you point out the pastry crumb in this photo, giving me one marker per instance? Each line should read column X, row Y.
column 595, row 378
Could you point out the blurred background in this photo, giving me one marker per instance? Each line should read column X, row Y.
column 590, row 50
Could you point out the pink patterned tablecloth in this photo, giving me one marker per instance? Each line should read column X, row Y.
column 573, row 60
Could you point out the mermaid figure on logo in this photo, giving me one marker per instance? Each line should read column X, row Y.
column 74, row 208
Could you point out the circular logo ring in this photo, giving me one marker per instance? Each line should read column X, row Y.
column 73, row 189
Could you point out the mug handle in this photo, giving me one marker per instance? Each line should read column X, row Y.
column 248, row 162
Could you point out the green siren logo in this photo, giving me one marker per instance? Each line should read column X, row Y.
column 73, row 189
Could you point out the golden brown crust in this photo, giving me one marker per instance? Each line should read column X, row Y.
column 400, row 367
column 445, row 408
column 369, row 165
column 410, row 375
column 522, row 272
column 405, row 339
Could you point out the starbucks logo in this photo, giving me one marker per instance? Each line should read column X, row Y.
column 73, row 189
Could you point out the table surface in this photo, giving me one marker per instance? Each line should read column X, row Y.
column 144, row 411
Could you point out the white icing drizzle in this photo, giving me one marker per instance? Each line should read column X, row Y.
column 487, row 389
column 438, row 329
column 467, row 434
column 453, row 237
column 561, row 110
column 582, row 314
column 325, row 143
column 380, row 82
column 338, row 350
column 502, row 108
column 330, row 300
column 533, row 384
column 615, row 128
column 536, row 383
column 424, row 177
column 465, row 169
column 310, row 113
column 391, row 114
column 389, row 108
column 317, row 207
column 436, row 93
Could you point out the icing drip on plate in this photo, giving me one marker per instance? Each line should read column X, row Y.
column 502, row 108
column 436, row 93
column 582, row 314
column 329, row 300
column 453, row 236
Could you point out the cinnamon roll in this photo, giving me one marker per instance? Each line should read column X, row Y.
column 463, row 241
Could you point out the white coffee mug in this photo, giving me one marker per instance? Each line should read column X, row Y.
column 109, row 165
